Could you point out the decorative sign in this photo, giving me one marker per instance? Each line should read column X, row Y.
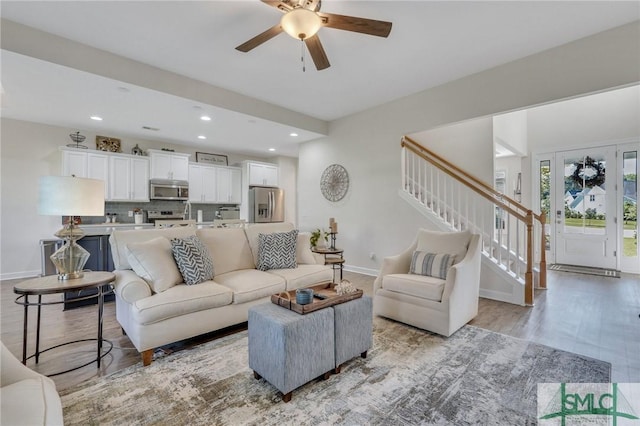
column 217, row 159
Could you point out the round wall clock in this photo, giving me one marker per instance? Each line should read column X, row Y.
column 334, row 182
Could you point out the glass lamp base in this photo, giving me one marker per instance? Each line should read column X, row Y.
column 70, row 260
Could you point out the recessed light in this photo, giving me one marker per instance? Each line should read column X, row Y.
column 205, row 118
column 96, row 118
column 272, row 149
column 294, row 134
column 202, row 137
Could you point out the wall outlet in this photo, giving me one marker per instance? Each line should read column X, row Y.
column 372, row 255
column 130, row 213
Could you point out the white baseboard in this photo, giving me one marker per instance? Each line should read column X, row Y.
column 500, row 296
column 363, row 271
column 18, row 275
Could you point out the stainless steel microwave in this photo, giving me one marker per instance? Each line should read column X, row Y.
column 161, row 189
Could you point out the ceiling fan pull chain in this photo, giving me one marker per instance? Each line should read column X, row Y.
column 302, row 55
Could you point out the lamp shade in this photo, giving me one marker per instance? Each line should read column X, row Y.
column 301, row 23
column 70, row 196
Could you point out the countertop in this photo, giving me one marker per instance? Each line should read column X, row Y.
column 107, row 229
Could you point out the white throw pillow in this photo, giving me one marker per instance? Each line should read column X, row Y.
column 304, row 255
column 153, row 261
column 455, row 243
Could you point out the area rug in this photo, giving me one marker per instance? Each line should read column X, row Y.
column 586, row 270
column 409, row 377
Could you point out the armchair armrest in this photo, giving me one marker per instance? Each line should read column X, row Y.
column 130, row 287
column 398, row 264
column 463, row 278
column 12, row 369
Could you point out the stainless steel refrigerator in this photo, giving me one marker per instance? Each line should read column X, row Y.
column 266, row 204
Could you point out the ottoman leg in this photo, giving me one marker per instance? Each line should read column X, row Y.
column 338, row 369
column 287, row 397
column 257, row 376
column 363, row 354
column 326, row 375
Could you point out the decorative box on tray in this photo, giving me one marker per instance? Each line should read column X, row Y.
column 287, row 299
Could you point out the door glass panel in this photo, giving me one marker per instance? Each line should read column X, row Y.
column 584, row 195
column 545, row 197
column 630, row 203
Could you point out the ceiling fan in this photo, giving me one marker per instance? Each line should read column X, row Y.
column 303, row 19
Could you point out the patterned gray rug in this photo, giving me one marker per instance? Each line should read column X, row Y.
column 409, row 377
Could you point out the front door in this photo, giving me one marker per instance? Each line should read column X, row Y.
column 585, row 207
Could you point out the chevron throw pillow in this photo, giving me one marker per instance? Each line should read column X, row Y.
column 193, row 259
column 431, row 264
column 277, row 250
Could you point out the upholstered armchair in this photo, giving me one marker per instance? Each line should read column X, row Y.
column 434, row 284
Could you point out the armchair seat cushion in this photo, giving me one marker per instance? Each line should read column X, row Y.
column 421, row 286
column 180, row 300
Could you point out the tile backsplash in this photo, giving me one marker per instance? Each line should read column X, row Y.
column 122, row 210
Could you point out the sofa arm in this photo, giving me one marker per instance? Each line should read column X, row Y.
column 130, row 287
column 398, row 264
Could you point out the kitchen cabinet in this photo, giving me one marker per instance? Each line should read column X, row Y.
column 229, row 185
column 169, row 165
column 100, row 259
column 86, row 164
column 202, row 184
column 262, row 174
column 128, row 178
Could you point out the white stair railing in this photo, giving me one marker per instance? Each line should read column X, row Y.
column 508, row 230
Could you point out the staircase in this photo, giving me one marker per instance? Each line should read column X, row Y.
column 513, row 242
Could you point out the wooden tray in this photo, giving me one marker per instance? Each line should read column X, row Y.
column 287, row 299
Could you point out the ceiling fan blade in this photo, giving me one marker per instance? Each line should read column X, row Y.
column 353, row 23
column 260, row 38
column 282, row 6
column 317, row 52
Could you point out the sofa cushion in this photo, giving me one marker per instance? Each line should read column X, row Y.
column 304, row 255
column 304, row 275
column 180, row 300
column 119, row 239
column 193, row 259
column 153, row 261
column 415, row 285
column 455, row 243
column 251, row 284
column 228, row 247
column 277, row 250
column 431, row 264
column 252, row 231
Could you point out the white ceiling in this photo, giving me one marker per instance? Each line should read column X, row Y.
column 431, row 43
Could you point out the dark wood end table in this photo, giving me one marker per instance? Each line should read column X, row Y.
column 333, row 257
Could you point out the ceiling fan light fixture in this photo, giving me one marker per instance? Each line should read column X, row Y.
column 301, row 23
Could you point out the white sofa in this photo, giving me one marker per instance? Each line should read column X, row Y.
column 434, row 304
column 27, row 397
column 155, row 318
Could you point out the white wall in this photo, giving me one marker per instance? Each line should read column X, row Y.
column 510, row 130
column 29, row 150
column 372, row 217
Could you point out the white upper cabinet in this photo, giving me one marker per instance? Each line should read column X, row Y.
column 262, row 174
column 128, row 179
column 86, row 164
column 202, row 184
column 169, row 165
column 228, row 183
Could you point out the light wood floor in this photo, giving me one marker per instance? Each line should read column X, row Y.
column 592, row 316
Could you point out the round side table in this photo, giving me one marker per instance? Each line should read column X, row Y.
column 51, row 285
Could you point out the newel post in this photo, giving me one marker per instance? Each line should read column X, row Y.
column 528, row 276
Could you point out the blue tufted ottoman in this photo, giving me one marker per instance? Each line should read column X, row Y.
column 288, row 349
column 354, row 329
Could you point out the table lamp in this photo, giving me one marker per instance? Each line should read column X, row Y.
column 70, row 196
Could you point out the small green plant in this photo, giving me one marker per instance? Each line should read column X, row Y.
column 316, row 235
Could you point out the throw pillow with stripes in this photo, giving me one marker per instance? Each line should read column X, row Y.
column 193, row 259
column 277, row 250
column 431, row 264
